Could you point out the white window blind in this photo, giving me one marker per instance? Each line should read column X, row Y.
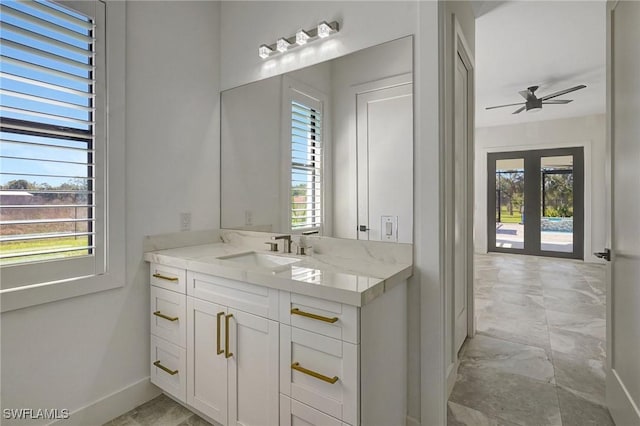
column 47, row 133
column 306, row 163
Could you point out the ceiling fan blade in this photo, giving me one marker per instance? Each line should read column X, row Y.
column 557, row 101
column 519, row 110
column 562, row 92
column 525, row 93
column 502, row 106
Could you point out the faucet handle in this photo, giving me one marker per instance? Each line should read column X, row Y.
column 272, row 246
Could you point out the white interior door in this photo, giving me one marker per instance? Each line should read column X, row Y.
column 461, row 193
column 385, row 164
column 623, row 303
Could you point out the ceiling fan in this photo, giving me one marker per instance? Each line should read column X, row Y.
column 534, row 104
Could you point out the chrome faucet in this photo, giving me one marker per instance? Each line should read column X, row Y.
column 287, row 242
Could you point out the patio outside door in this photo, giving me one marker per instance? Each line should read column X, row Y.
column 536, row 202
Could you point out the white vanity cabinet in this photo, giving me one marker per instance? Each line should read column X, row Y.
column 168, row 330
column 247, row 354
column 232, row 364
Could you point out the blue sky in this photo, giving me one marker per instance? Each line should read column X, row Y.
column 9, row 149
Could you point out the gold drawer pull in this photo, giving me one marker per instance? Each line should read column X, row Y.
column 163, row 277
column 165, row 369
column 296, row 366
column 296, row 311
column 168, row 318
column 218, row 349
column 227, row 353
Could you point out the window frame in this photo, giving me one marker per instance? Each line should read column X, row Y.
column 293, row 90
column 29, row 284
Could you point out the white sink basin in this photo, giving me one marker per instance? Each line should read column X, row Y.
column 261, row 260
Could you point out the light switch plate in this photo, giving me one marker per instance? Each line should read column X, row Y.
column 389, row 228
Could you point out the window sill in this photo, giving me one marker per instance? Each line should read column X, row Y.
column 23, row 297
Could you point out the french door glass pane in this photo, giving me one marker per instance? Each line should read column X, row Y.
column 556, row 222
column 510, row 203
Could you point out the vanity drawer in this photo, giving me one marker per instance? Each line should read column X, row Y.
column 168, row 277
column 251, row 298
column 321, row 372
column 169, row 315
column 294, row 413
column 320, row 316
column 169, row 368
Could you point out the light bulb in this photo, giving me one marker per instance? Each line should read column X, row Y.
column 264, row 51
column 301, row 37
column 282, row 45
column 324, row 29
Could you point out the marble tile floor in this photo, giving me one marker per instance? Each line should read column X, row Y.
column 160, row 411
column 539, row 353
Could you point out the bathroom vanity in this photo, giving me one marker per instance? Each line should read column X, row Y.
column 243, row 335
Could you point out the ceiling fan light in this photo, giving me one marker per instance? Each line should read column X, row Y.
column 535, row 109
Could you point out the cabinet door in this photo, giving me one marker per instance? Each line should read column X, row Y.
column 253, row 370
column 206, row 363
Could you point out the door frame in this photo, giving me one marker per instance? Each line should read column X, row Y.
column 460, row 48
column 617, row 395
column 532, row 208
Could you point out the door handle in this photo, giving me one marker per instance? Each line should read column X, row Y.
column 606, row 254
column 363, row 228
column 218, row 349
column 227, row 354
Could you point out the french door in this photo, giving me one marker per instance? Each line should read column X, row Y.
column 535, row 202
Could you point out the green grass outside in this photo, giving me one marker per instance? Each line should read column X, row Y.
column 505, row 217
column 38, row 245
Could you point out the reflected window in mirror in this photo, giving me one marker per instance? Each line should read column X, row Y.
column 305, row 146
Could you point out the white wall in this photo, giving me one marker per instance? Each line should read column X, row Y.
column 75, row 352
column 587, row 131
column 248, row 24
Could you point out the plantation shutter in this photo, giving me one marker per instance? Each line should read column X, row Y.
column 48, row 129
column 306, row 162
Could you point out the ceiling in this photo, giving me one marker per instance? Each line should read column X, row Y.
column 551, row 44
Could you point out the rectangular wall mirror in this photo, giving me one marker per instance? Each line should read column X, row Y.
column 327, row 148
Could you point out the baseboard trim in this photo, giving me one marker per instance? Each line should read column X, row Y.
column 111, row 406
column 620, row 402
column 412, row 421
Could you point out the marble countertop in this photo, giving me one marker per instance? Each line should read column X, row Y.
column 344, row 271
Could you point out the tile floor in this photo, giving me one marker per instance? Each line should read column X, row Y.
column 160, row 411
column 539, row 353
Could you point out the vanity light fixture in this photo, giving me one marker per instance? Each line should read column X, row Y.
column 264, row 51
column 282, row 44
column 302, row 37
column 324, row 29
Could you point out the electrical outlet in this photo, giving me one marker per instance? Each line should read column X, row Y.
column 248, row 217
column 185, row 221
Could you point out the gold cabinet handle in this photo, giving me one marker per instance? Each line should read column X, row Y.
column 296, row 311
column 296, row 366
column 227, row 354
column 218, row 349
column 165, row 369
column 168, row 318
column 164, row 277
